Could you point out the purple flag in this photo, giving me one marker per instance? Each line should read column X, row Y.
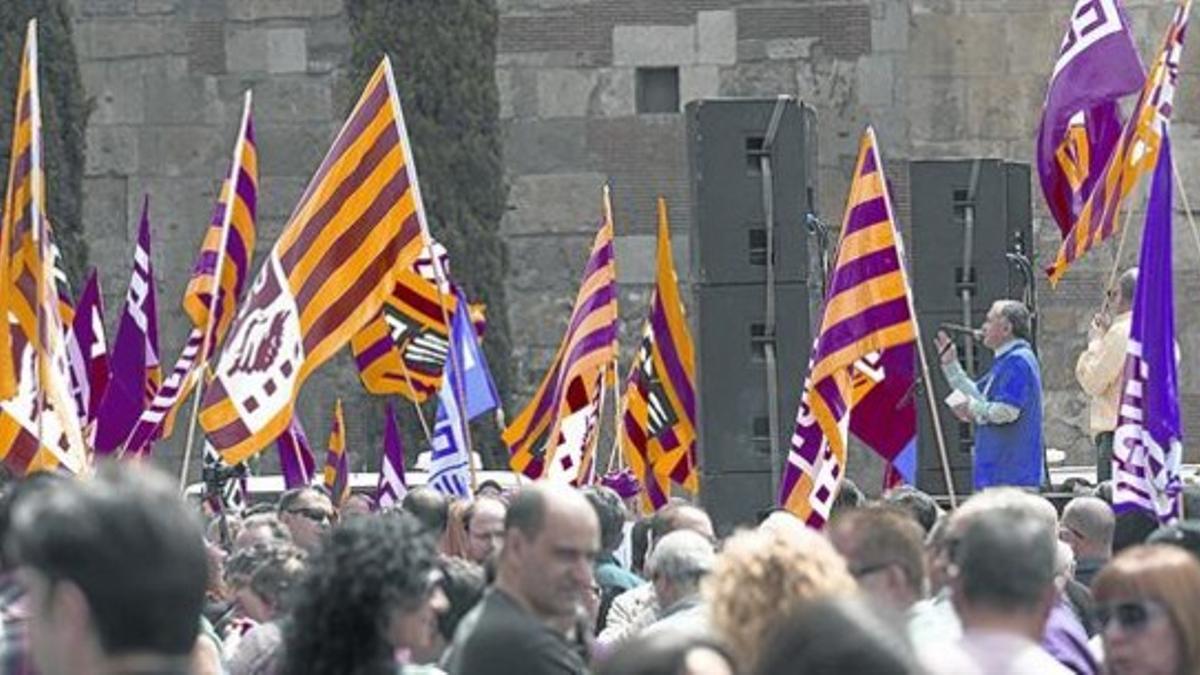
column 1097, row 64
column 1148, row 446
column 88, row 328
column 134, row 373
column 392, row 484
column 295, row 456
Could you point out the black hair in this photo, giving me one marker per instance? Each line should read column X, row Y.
column 130, row 544
column 463, row 583
column 17, row 492
column 921, row 506
column 368, row 568
column 833, row 636
column 429, row 507
column 610, row 511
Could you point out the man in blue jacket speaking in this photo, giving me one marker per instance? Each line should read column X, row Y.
column 1005, row 405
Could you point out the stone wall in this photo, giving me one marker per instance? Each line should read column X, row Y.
column 937, row 78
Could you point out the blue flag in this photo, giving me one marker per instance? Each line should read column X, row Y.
column 1148, row 448
column 449, row 472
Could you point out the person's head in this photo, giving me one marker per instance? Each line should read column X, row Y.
column 1006, row 320
column 551, row 538
column 356, row 505
column 679, row 561
column 836, row 635
column 463, row 583
column 923, row 508
column 261, row 529
column 884, row 551
column 489, row 488
column 1003, row 571
column 371, row 589
column 483, row 521
column 761, row 576
column 1087, row 526
column 668, row 653
column 1184, row 534
column 307, row 512
column 262, row 578
column 429, row 507
column 14, row 495
column 610, row 510
column 1132, row 528
column 1148, row 609
column 680, row 516
column 848, row 498
column 1125, row 290
column 114, row 565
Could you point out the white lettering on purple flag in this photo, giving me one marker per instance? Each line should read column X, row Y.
column 1092, row 21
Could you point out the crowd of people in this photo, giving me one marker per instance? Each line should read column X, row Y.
column 117, row 573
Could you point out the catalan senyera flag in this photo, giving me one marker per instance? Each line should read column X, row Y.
column 358, row 224
column 228, row 245
column 867, row 311
column 587, row 348
column 658, row 429
column 337, row 463
column 1135, row 155
column 134, row 371
column 39, row 420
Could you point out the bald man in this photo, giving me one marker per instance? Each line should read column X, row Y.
column 544, row 573
column 1087, row 526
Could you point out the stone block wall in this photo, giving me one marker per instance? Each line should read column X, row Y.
column 937, row 78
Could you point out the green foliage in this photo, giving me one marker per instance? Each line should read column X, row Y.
column 443, row 53
column 64, row 115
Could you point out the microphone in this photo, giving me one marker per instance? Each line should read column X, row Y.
column 973, row 333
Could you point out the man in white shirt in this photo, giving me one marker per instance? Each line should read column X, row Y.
column 1101, row 367
column 1003, row 591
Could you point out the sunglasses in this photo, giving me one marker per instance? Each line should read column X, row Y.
column 315, row 515
column 1130, row 616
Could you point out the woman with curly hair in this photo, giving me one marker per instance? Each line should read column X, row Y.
column 371, row 592
column 762, row 576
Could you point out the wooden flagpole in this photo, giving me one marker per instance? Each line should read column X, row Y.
column 226, row 220
column 439, row 274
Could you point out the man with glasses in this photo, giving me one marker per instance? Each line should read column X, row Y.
column 884, row 552
column 484, row 523
column 307, row 512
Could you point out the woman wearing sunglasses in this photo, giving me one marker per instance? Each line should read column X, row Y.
column 1148, row 611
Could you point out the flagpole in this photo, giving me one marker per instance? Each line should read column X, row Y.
column 417, row 406
column 226, row 220
column 439, row 275
column 37, row 189
column 939, row 435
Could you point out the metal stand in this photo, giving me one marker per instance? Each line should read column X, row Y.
column 768, row 338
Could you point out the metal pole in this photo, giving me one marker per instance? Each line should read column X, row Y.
column 772, row 367
column 966, row 286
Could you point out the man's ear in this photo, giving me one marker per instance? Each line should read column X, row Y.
column 71, row 612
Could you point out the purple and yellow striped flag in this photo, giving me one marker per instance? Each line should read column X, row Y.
column 658, row 430
column 337, row 463
column 228, row 245
column 357, row 225
column 1136, row 153
column 587, row 348
column 39, row 420
column 867, row 310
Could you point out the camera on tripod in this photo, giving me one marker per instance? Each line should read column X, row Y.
column 215, row 476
